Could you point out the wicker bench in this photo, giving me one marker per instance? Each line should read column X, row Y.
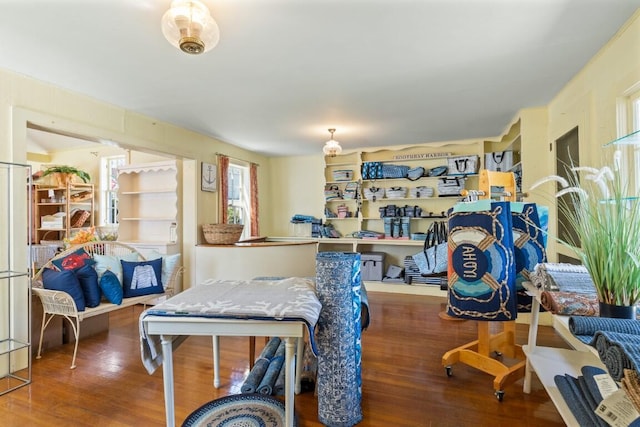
column 60, row 303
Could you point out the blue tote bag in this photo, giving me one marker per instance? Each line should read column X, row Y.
column 482, row 277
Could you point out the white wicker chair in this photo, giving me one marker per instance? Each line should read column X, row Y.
column 59, row 303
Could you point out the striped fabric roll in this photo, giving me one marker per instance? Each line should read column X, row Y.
column 618, row 352
column 584, row 327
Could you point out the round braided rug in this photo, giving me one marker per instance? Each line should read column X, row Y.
column 239, row 410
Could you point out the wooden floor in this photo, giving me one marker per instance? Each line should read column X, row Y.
column 404, row 383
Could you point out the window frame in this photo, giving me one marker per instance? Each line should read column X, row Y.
column 243, row 201
column 109, row 193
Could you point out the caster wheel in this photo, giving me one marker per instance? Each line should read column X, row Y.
column 448, row 371
column 500, row 395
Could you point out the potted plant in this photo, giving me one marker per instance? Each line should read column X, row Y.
column 606, row 220
column 64, row 174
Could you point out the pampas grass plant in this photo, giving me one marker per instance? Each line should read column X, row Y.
column 606, row 221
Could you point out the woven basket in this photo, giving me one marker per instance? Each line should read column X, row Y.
column 222, row 234
column 79, row 217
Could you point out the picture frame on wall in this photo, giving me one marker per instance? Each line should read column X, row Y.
column 209, row 177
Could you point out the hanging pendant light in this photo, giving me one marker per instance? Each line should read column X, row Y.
column 332, row 147
column 188, row 25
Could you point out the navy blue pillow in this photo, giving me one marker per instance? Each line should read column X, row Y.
column 73, row 261
column 64, row 281
column 142, row 278
column 111, row 287
column 88, row 278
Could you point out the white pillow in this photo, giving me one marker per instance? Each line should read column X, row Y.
column 112, row 263
column 169, row 264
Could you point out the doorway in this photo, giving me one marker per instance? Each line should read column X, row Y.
column 567, row 156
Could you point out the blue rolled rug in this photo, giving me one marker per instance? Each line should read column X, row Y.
column 588, row 373
column 585, row 327
column 482, row 283
column 268, row 381
column 576, row 401
column 279, row 386
column 339, row 380
column 260, row 367
column 618, row 351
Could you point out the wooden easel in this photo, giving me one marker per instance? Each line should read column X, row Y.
column 478, row 353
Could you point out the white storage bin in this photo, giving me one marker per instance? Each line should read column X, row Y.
column 371, row 265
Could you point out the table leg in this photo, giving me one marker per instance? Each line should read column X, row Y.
column 531, row 345
column 299, row 360
column 216, row 361
column 290, row 382
column 167, row 375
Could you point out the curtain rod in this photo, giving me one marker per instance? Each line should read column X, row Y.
column 235, row 158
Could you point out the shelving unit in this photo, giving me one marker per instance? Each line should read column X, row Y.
column 366, row 215
column 50, row 201
column 15, row 283
column 547, row 362
column 148, row 206
column 396, row 250
column 512, row 142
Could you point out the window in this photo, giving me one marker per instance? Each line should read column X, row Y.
column 629, row 121
column 239, row 205
column 109, row 188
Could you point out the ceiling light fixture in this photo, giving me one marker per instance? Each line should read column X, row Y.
column 188, row 25
column 332, row 147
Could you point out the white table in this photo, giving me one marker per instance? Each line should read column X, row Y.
column 168, row 326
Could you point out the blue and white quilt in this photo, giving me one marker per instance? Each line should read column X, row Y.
column 290, row 299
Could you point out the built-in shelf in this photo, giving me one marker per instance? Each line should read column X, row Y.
column 148, row 206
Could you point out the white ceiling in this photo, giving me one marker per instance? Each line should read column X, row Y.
column 382, row 72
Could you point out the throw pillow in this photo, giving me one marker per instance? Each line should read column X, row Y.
column 169, row 264
column 65, row 281
column 72, row 261
column 111, row 287
column 88, row 279
column 141, row 278
column 112, row 263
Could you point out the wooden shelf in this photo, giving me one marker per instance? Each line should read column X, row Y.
column 65, row 204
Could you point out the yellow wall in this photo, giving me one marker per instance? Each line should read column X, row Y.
column 297, row 184
column 23, row 100
column 589, row 101
column 290, row 185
